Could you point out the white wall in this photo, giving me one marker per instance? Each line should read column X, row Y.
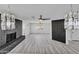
column 25, row 29
column 72, row 35
column 43, row 28
column 75, row 35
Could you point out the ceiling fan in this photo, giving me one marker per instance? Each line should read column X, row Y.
column 41, row 18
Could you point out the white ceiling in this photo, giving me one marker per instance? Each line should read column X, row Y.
column 26, row 11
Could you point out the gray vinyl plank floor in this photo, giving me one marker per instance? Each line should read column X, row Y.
column 41, row 44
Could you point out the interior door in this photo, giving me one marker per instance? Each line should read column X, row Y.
column 58, row 31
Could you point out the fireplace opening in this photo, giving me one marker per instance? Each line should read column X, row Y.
column 10, row 37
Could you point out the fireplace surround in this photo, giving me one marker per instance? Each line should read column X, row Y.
column 8, row 35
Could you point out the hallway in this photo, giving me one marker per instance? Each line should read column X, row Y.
column 41, row 44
